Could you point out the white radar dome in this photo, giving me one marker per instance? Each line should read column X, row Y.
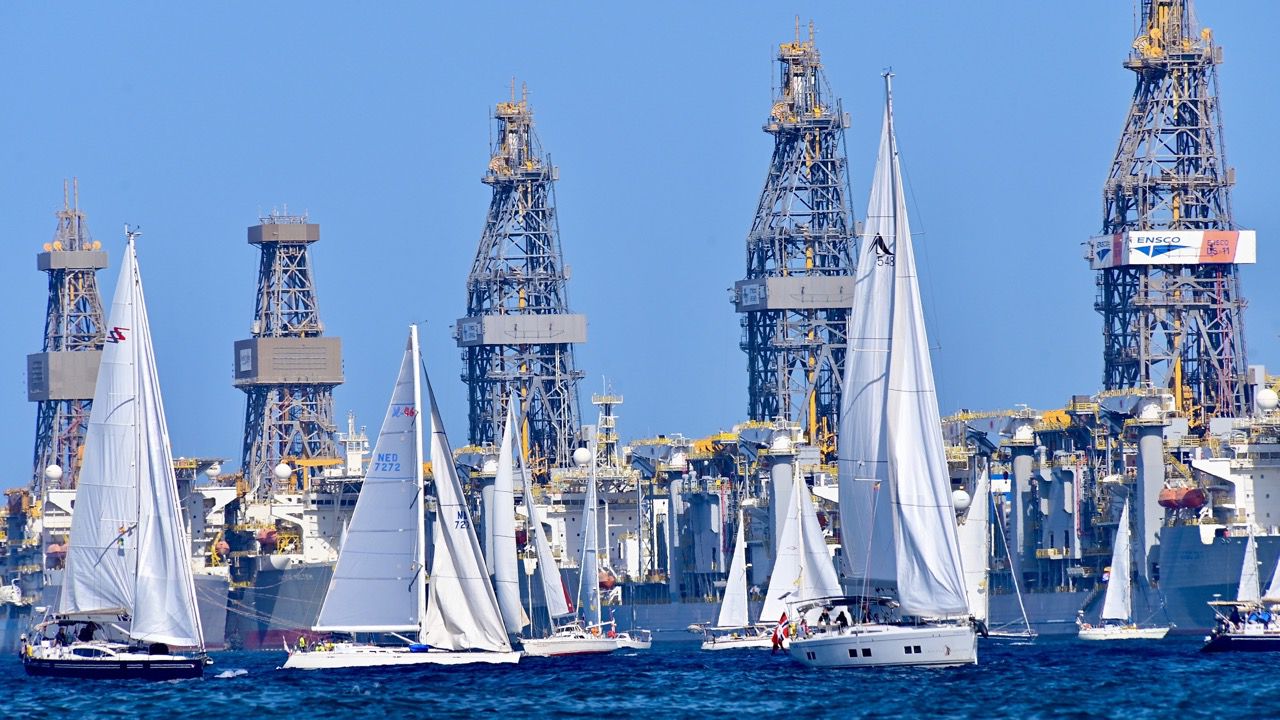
column 283, row 471
column 490, row 466
column 960, row 499
column 581, row 457
column 781, row 443
column 53, row 472
column 213, row 470
column 1268, row 399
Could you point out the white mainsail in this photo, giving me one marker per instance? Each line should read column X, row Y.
column 553, row 591
column 1273, row 588
column 128, row 546
column 930, row 582
column 502, row 523
column 734, row 606
column 1248, row 590
column 975, row 542
column 802, row 569
column 377, row 583
column 866, row 515
column 1118, row 604
column 462, row 611
column 589, row 579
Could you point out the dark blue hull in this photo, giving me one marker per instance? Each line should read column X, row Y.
column 182, row 669
column 1227, row 642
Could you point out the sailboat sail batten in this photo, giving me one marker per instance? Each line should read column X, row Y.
column 373, row 581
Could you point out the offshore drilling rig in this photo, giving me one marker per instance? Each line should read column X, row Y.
column 518, row 335
column 800, row 255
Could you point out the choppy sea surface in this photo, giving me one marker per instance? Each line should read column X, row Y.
column 1047, row 679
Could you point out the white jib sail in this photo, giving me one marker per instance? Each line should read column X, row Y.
column 462, row 612
column 733, row 606
column 553, row 590
column 1273, row 587
column 128, row 548
column 975, row 542
column 784, row 582
column 817, row 571
column 1118, row 603
column 1248, row 590
column 502, row 519
column 930, row 581
column 866, row 515
column 375, row 585
column 589, row 579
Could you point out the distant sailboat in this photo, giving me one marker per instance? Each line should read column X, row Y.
column 128, row 593
column 379, row 586
column 1248, row 623
column 585, row 636
column 1117, row 606
column 896, row 500
column 733, row 629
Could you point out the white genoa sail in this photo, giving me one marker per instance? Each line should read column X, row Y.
column 803, row 569
column 462, row 611
column 589, row 578
column 1248, row 590
column 866, row 516
column 975, row 542
column 376, row 584
column 928, row 559
column 128, row 547
column 734, row 606
column 1118, row 603
column 1273, row 588
column 553, row 590
column 502, row 519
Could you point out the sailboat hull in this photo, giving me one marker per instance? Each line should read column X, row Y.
column 888, row 645
column 347, row 655
column 1117, row 632
column 67, row 663
column 556, row 646
column 758, row 636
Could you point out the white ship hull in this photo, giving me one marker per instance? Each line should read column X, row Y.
column 636, row 640
column 348, row 655
column 1127, row 632
column 556, row 646
column 888, row 645
column 741, row 639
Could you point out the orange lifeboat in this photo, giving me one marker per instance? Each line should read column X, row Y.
column 267, row 538
column 1182, row 498
column 607, row 580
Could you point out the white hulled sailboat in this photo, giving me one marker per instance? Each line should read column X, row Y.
column 896, row 503
column 588, row 635
column 733, row 630
column 128, row 594
column 1117, row 606
column 379, row 586
column 1247, row 623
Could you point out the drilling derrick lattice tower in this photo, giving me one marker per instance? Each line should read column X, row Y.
column 61, row 377
column 1168, row 282
column 795, row 298
column 518, row 335
column 288, row 369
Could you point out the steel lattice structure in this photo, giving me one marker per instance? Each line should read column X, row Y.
column 1179, row 326
column 287, row 370
column 61, row 378
column 800, row 255
column 518, row 334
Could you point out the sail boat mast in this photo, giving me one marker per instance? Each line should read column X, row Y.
column 419, row 517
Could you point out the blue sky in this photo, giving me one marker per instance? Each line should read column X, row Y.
column 191, row 120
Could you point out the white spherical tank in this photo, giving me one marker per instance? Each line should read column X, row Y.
column 490, row 466
column 1267, row 400
column 581, row 457
column 53, row 473
column 213, row 470
column 960, row 500
column 781, row 443
column 282, row 471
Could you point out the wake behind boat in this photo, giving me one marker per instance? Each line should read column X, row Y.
column 379, row 586
column 128, row 594
column 896, row 504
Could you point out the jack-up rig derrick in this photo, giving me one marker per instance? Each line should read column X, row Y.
column 800, row 255
column 518, row 335
column 288, row 369
column 1168, row 282
column 61, row 377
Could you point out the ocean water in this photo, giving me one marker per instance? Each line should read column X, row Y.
column 1047, row 679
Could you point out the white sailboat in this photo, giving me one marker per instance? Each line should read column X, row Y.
column 1117, row 606
column 1247, row 623
column 1009, row 631
column 379, row 586
column 896, row 497
column 733, row 629
column 588, row 635
column 128, row 594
